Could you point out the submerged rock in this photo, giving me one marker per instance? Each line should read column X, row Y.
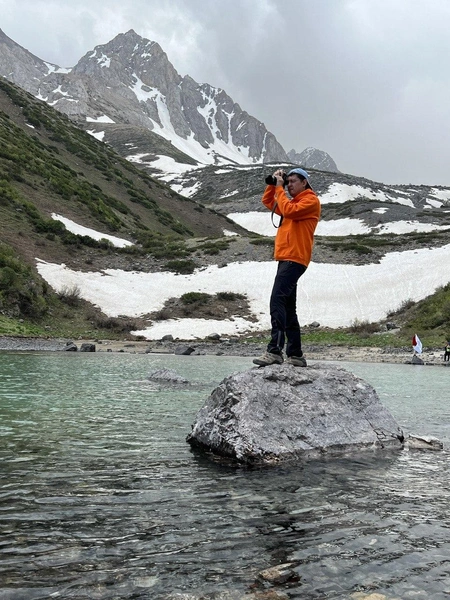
column 279, row 574
column 423, row 442
column 281, row 412
column 168, row 376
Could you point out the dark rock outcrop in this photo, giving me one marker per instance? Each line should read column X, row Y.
column 70, row 347
column 184, row 350
column 87, row 347
column 415, row 360
column 280, row 413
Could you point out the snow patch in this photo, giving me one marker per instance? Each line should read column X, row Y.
column 99, row 135
column 342, row 192
column 261, row 222
column 101, row 119
column 96, row 235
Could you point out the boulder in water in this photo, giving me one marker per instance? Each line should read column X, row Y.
column 168, row 376
column 280, row 413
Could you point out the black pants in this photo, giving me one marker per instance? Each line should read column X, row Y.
column 283, row 313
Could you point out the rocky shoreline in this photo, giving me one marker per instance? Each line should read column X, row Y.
column 222, row 348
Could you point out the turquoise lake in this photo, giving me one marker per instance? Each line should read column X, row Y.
column 102, row 498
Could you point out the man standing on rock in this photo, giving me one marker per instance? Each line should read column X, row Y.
column 293, row 248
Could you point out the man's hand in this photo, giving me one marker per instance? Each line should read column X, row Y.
column 279, row 176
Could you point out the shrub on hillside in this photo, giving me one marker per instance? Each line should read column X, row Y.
column 22, row 293
column 183, row 267
column 198, row 298
column 363, row 327
column 70, row 295
column 115, row 324
column 230, row 296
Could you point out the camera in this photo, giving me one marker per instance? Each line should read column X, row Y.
column 272, row 180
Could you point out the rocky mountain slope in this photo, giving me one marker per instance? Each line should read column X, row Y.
column 128, row 94
column 130, row 82
column 237, row 189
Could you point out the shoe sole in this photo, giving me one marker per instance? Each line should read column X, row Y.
column 263, row 363
column 296, row 364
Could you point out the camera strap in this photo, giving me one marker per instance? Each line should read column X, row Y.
column 271, row 216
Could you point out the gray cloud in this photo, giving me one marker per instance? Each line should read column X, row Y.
column 366, row 81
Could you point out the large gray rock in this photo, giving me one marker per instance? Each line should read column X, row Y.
column 281, row 413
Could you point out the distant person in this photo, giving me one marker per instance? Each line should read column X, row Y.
column 447, row 352
column 293, row 248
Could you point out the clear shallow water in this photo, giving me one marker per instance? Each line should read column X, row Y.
column 101, row 497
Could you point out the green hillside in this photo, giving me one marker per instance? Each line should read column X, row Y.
column 48, row 165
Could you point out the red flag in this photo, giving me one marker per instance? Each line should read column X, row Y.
column 417, row 344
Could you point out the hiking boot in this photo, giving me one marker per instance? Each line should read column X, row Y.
column 296, row 361
column 268, row 359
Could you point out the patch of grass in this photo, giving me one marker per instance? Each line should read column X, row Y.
column 213, row 247
column 198, row 298
column 262, row 241
column 343, row 337
column 350, row 246
column 182, row 267
column 19, row 328
column 430, row 316
column 229, row 296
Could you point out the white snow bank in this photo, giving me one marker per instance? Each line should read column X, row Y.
column 96, row 235
column 334, row 295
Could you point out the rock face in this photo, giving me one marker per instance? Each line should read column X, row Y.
column 280, row 413
column 312, row 158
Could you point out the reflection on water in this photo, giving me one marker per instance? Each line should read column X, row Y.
column 102, row 498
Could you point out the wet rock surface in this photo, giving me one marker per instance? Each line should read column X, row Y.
column 167, row 376
column 281, row 413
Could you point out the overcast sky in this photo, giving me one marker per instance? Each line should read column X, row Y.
column 367, row 81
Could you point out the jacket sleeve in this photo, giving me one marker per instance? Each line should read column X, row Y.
column 268, row 198
column 307, row 206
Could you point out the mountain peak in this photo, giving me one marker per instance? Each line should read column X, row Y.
column 313, row 158
column 129, row 81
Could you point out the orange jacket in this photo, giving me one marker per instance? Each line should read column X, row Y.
column 295, row 236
